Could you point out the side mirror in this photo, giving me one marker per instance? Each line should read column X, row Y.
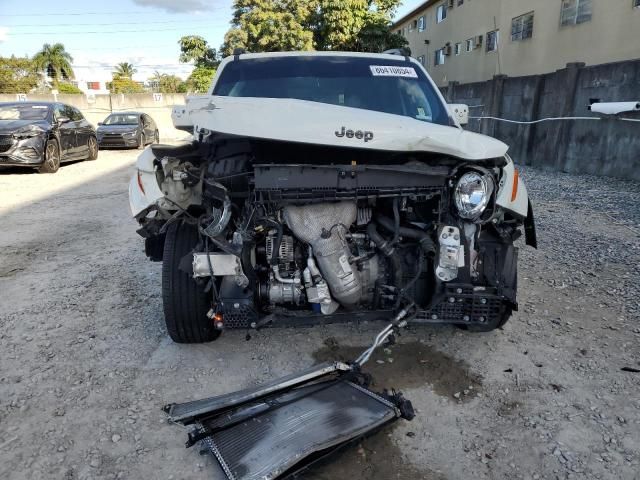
column 100, row 123
column 460, row 112
column 62, row 120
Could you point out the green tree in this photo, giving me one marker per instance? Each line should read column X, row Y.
column 17, row 75
column 55, row 61
column 171, row 84
column 196, row 49
column 200, row 79
column 124, row 70
column 376, row 36
column 64, row 87
column 124, row 85
column 357, row 25
column 269, row 25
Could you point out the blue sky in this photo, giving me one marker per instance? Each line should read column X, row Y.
column 99, row 35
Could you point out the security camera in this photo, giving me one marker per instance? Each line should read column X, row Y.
column 614, row 108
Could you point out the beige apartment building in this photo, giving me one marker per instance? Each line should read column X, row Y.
column 472, row 40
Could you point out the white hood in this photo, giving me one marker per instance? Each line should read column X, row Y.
column 303, row 121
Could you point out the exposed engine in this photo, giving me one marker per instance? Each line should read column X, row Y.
column 321, row 256
column 332, row 240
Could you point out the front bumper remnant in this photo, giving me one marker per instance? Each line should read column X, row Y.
column 279, row 429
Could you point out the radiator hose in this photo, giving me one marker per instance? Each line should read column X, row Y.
column 423, row 238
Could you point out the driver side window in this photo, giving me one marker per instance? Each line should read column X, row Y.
column 76, row 116
column 58, row 112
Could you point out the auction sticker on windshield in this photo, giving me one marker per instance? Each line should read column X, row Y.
column 390, row 71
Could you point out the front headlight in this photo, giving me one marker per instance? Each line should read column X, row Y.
column 472, row 194
column 129, row 134
column 28, row 132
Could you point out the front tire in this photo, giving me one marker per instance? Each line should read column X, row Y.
column 185, row 302
column 51, row 162
column 93, row 148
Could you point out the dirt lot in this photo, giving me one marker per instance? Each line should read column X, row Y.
column 86, row 364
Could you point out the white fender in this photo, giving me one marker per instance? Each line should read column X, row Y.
column 144, row 190
column 512, row 192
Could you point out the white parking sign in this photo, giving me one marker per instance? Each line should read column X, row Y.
column 157, row 97
column 21, row 97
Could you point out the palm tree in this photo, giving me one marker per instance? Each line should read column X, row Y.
column 124, row 70
column 55, row 61
column 156, row 79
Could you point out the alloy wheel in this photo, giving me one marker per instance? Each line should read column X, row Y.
column 93, row 148
column 52, row 157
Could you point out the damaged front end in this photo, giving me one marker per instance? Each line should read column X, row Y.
column 277, row 430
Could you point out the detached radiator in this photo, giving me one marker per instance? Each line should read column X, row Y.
column 276, row 430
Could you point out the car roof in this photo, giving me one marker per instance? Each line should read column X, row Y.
column 127, row 113
column 381, row 56
column 49, row 104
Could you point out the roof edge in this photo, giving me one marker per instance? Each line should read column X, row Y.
column 422, row 6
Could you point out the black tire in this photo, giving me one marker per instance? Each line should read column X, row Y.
column 185, row 302
column 141, row 141
column 93, row 148
column 156, row 137
column 51, row 154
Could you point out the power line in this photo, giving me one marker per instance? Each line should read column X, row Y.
column 138, row 12
column 99, row 24
column 102, row 32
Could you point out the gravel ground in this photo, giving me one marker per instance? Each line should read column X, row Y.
column 86, row 364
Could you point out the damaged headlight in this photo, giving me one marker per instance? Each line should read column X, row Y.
column 28, row 132
column 472, row 194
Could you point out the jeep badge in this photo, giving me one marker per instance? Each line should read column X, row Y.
column 359, row 134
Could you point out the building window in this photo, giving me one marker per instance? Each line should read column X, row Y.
column 492, row 40
column 421, row 60
column 470, row 44
column 93, row 85
column 458, row 48
column 522, row 27
column 422, row 24
column 636, row 3
column 575, row 11
column 441, row 13
column 460, row 2
column 439, row 57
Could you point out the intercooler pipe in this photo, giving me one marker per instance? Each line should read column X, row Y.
column 423, row 238
column 387, row 249
column 383, row 245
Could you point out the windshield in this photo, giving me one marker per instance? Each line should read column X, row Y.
column 24, row 112
column 394, row 86
column 122, row 119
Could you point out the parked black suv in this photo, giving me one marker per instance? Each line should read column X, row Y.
column 127, row 129
column 42, row 135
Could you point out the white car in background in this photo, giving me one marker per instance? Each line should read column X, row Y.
column 326, row 187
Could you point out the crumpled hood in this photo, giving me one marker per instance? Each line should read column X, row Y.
column 11, row 126
column 323, row 124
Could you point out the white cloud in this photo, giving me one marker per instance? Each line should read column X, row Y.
column 175, row 6
column 4, row 34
